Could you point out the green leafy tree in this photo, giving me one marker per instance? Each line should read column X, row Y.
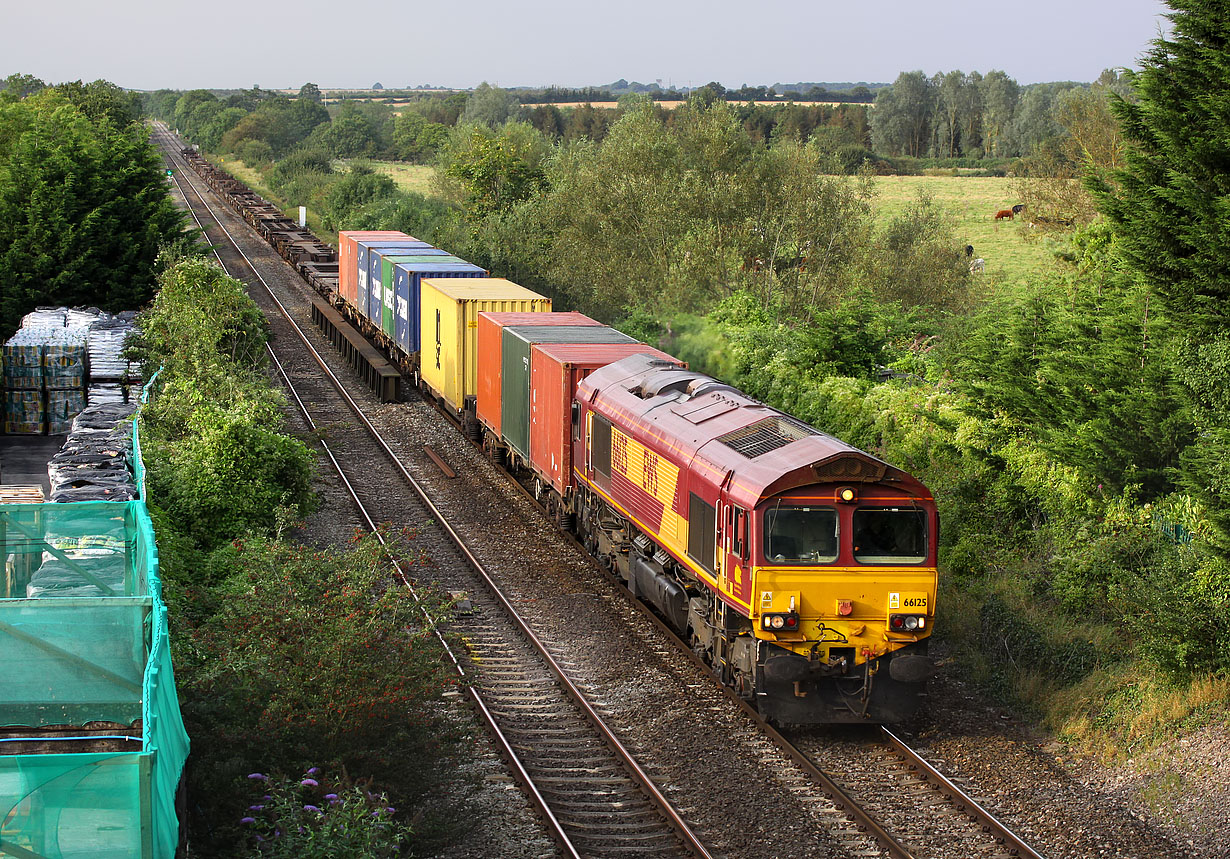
column 416, row 139
column 490, row 106
column 495, row 169
column 901, row 121
column 281, row 122
column 20, row 86
column 102, row 100
column 1000, row 95
column 358, row 188
column 311, row 92
column 83, row 209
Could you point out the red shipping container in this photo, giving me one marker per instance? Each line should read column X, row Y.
column 491, row 355
column 555, row 371
column 347, row 259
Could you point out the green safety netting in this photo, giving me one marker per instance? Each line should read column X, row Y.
column 83, row 639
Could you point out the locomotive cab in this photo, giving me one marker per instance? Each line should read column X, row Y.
column 843, row 585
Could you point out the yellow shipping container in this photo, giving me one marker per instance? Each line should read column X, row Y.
column 448, row 364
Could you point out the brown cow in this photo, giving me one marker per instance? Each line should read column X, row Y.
column 1004, row 213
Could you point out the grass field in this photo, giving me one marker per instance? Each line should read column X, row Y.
column 409, row 177
column 1014, row 254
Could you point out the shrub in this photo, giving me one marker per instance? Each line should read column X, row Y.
column 302, row 657
column 313, row 817
column 255, row 153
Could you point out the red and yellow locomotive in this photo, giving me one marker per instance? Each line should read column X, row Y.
column 801, row 568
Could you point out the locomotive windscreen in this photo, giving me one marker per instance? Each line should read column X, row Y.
column 800, row 534
column 890, row 535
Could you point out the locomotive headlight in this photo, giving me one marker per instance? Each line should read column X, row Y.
column 847, row 495
column 780, row 621
column 906, row 623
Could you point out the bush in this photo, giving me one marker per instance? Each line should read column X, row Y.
column 255, row 153
column 315, row 818
column 229, row 473
column 302, row 657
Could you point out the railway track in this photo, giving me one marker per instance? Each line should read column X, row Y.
column 592, row 793
column 600, row 804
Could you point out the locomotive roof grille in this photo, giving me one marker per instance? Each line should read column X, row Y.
column 766, row 435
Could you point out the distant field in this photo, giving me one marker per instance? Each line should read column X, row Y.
column 1013, row 253
column 409, row 177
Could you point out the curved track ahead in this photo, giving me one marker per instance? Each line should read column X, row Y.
column 579, row 809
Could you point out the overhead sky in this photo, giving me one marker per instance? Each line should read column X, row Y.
column 141, row 44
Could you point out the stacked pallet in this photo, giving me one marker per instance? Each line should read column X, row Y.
column 94, row 463
column 59, row 360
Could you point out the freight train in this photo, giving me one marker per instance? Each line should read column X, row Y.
column 802, row 569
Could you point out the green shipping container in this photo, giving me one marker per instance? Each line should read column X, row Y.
column 515, row 371
column 388, row 319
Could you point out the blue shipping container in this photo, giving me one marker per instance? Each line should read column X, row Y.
column 375, row 272
column 363, row 267
column 406, row 277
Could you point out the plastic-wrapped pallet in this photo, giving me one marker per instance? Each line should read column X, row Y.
column 106, row 392
column 111, row 418
column 106, row 347
column 93, row 464
column 94, row 492
column 64, row 358
column 62, row 407
column 23, row 358
column 45, row 317
column 83, row 316
column 24, row 413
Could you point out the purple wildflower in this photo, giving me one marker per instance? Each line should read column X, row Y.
column 256, row 808
column 330, row 796
column 248, row 820
column 391, row 810
column 310, row 782
column 313, row 771
column 260, row 776
column 311, row 808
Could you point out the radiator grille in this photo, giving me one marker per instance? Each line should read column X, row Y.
column 766, row 435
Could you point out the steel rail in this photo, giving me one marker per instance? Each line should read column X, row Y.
column 964, row 802
column 690, row 839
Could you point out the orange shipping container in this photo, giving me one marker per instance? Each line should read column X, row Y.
column 555, row 370
column 347, row 259
column 491, row 356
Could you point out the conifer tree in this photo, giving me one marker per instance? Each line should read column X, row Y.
column 1170, row 207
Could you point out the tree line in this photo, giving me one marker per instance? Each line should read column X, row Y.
column 959, row 115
